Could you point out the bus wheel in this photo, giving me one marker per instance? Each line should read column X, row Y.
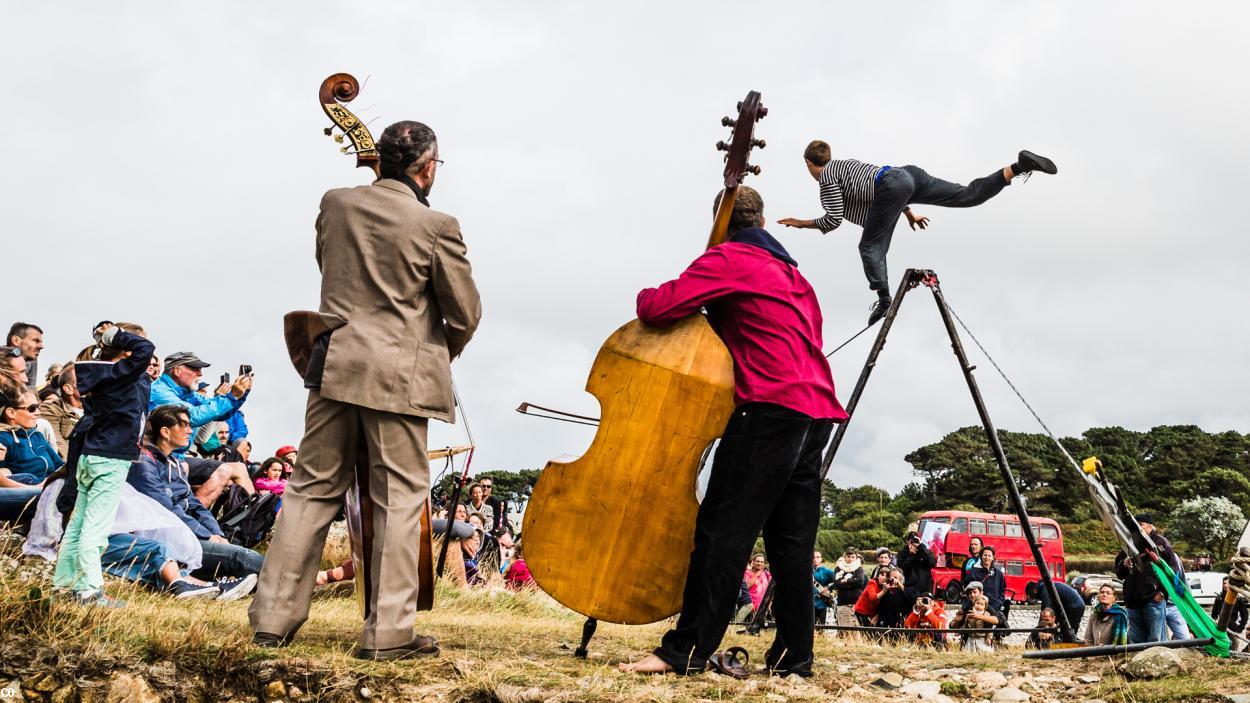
column 954, row 591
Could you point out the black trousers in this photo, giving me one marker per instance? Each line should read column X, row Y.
column 765, row 476
column 907, row 185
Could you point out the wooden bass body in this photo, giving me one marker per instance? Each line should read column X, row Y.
column 609, row 534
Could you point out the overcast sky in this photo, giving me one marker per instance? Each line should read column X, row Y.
column 164, row 163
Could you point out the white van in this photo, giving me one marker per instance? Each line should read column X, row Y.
column 1206, row 586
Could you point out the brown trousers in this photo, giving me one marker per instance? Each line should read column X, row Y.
column 399, row 482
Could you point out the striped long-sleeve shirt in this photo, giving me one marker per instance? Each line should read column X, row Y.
column 846, row 191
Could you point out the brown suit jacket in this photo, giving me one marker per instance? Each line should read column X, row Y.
column 397, row 291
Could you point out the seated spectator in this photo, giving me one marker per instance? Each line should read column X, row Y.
column 895, row 603
column 867, row 604
column 1071, row 602
column 927, row 613
column 1043, row 640
column 28, row 339
column 49, row 382
column 500, row 528
column 289, row 455
column 1236, row 623
column 971, row 615
column 17, row 503
column 13, row 366
column 757, row 577
column 517, row 576
column 145, row 545
column 212, row 440
column 154, row 367
column 183, row 371
column 63, row 407
column 470, row 547
column 270, row 477
column 1108, row 623
column 29, row 456
column 160, row 475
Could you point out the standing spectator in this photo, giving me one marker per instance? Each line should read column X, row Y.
column 917, row 563
column 13, row 366
column 1069, row 599
column 1237, row 623
column 1144, row 596
column 115, row 394
column 161, row 476
column 63, row 408
column 869, row 601
column 974, row 558
column 757, row 578
column 822, row 595
column 479, row 506
column 849, row 581
column 884, row 557
column 29, row 339
column 28, row 455
column 1109, row 621
column 500, row 528
column 270, row 477
column 991, row 577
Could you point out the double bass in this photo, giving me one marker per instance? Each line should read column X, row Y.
column 609, row 534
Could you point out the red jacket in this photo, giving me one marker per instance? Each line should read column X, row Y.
column 769, row 318
column 868, row 601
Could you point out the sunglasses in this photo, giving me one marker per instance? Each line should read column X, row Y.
column 14, row 352
column 33, row 407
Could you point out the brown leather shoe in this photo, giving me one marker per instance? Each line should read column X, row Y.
column 420, row 646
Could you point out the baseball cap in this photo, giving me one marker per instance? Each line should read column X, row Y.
column 974, row 584
column 185, row 358
column 201, row 386
column 284, row 450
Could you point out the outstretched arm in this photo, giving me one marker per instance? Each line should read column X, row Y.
column 831, row 200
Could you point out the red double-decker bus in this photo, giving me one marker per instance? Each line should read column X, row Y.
column 1003, row 533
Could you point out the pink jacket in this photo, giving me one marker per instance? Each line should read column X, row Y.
column 274, row 485
column 769, row 318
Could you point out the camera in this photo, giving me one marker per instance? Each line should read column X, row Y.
column 225, row 377
column 913, row 538
column 245, row 370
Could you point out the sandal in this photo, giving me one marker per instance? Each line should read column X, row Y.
column 732, row 663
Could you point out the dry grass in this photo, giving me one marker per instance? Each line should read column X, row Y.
column 497, row 646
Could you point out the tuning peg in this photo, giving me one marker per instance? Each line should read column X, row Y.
column 343, row 150
column 752, row 169
column 728, row 122
column 722, row 146
column 328, row 131
column 763, row 112
column 758, row 143
column 338, row 138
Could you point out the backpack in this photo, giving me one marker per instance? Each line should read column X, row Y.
column 250, row 522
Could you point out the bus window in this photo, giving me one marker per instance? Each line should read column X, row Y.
column 960, row 526
column 996, row 528
column 1037, row 531
column 1013, row 529
column 1015, row 568
column 976, row 526
column 1049, row 532
column 1057, row 570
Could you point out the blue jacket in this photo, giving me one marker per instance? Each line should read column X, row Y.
column 114, row 401
column 165, row 391
column 29, row 452
column 994, row 582
column 164, row 479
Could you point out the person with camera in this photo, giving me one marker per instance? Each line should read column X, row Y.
column 868, row 601
column 895, row 602
column 917, row 563
column 927, row 613
column 824, row 597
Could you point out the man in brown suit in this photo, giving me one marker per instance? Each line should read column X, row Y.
column 399, row 303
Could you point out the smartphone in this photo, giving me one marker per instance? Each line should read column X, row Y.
column 225, row 377
column 245, row 370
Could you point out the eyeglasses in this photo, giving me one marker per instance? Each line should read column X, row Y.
column 440, row 162
column 182, row 423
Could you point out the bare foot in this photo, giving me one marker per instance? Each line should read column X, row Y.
column 649, row 664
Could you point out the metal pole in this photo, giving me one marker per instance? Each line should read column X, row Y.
column 1112, row 649
column 910, row 280
column 1001, row 457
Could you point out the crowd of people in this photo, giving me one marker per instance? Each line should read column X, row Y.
column 892, row 600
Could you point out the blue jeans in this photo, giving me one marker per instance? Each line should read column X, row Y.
column 1148, row 622
column 1176, row 623
column 135, row 559
column 228, row 560
column 903, row 186
column 14, row 502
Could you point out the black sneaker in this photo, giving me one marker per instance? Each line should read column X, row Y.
column 1034, row 162
column 878, row 310
column 235, row 588
column 185, row 590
